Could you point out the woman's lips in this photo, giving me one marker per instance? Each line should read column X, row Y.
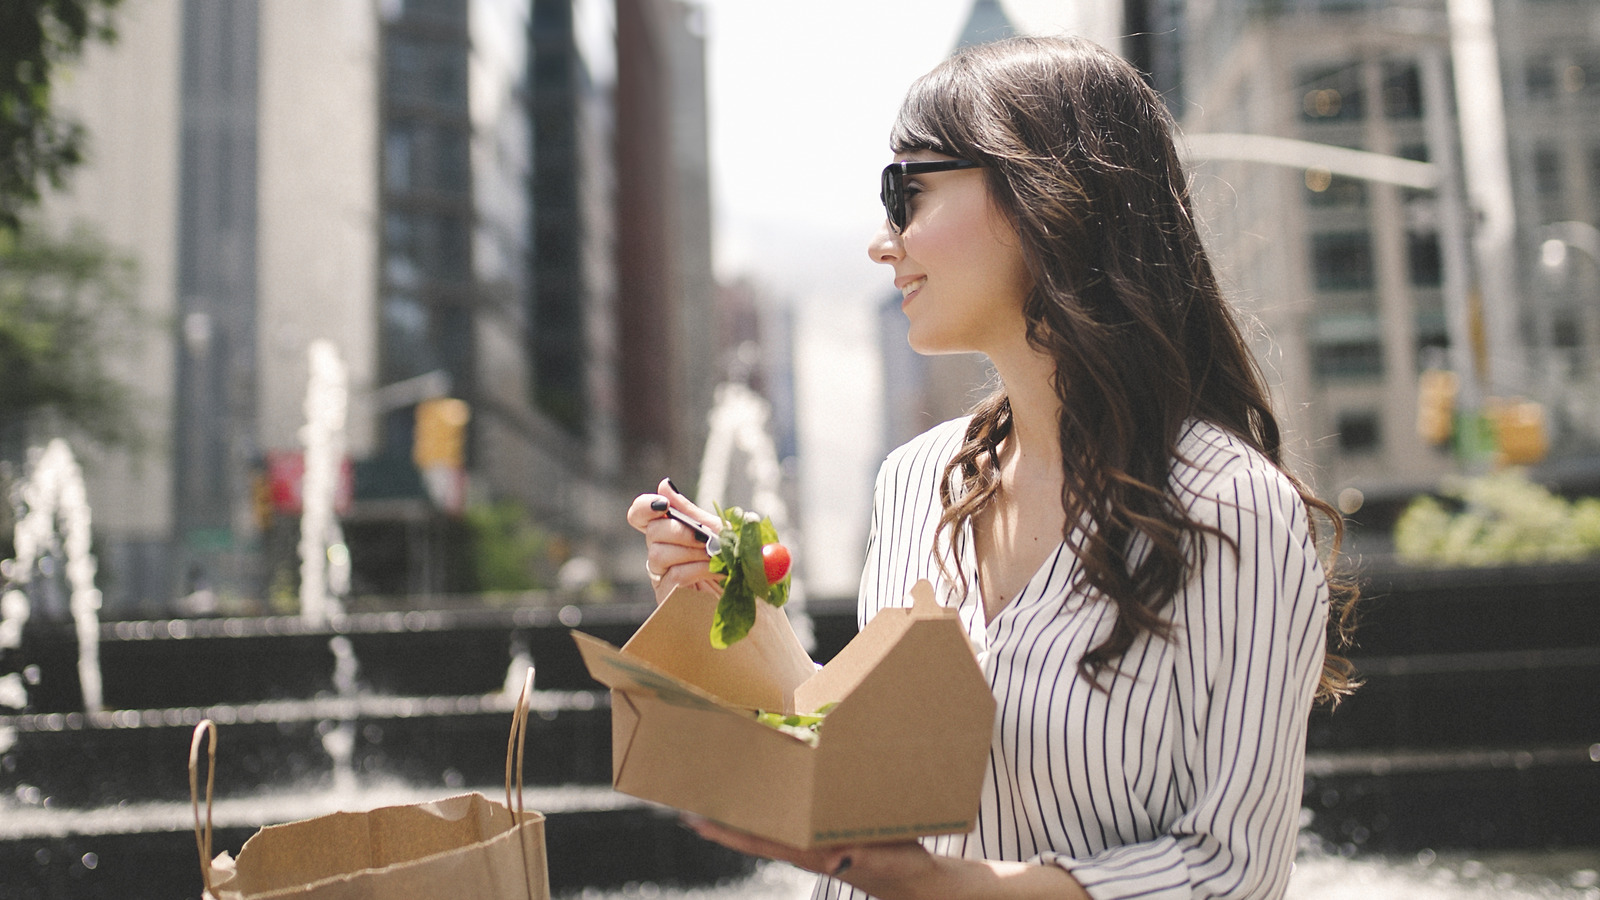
column 910, row 287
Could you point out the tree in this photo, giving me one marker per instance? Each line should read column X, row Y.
column 1498, row 519
column 38, row 146
column 60, row 299
column 63, row 303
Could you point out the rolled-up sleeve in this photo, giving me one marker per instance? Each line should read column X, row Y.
column 1249, row 640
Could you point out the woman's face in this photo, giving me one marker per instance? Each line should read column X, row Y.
column 958, row 264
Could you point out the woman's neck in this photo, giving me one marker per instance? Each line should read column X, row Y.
column 1033, row 449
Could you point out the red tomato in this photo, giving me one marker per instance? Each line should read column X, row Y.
column 775, row 559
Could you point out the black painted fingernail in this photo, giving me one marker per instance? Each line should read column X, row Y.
column 659, row 504
column 843, row 866
column 675, row 487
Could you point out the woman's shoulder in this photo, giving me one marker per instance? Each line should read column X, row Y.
column 937, row 444
column 1214, row 463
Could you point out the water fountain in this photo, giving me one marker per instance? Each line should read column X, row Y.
column 324, row 558
column 738, row 426
column 55, row 518
column 356, row 710
column 318, row 711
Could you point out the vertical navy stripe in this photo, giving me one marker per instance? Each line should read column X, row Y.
column 1184, row 781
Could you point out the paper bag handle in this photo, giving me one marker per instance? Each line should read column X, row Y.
column 515, row 745
column 202, row 839
column 517, row 742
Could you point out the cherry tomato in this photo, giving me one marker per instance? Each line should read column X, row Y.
column 775, row 559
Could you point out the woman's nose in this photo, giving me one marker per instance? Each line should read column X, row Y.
column 885, row 246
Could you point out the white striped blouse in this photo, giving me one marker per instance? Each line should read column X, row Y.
column 1185, row 779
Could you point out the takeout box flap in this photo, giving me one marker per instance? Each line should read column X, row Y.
column 918, row 712
column 731, row 769
column 867, row 649
column 759, row 672
column 902, row 753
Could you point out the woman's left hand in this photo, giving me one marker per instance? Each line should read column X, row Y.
column 905, row 870
column 872, row 867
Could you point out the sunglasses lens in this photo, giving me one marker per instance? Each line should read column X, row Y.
column 893, row 198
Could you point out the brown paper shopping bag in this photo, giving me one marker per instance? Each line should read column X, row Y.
column 466, row 847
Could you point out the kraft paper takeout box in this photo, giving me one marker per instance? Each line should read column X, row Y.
column 902, row 754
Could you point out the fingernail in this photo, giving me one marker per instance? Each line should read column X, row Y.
column 659, row 504
column 675, row 487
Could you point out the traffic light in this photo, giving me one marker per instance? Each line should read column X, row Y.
column 1519, row 432
column 441, row 433
column 1436, row 405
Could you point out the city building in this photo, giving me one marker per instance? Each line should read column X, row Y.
column 471, row 199
column 922, row 391
column 1360, row 285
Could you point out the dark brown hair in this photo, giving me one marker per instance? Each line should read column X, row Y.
column 1079, row 156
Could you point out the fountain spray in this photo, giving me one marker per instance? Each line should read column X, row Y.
column 53, row 494
column 324, row 558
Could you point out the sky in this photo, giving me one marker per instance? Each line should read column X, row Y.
column 801, row 99
column 801, row 104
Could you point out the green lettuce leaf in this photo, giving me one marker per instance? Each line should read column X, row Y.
column 745, row 577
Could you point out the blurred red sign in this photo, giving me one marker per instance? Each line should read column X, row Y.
column 286, row 471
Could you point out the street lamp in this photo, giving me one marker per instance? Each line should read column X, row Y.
column 1559, row 236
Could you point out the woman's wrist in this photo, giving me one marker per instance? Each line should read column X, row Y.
column 891, row 871
column 907, row 874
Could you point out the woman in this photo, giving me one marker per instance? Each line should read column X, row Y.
column 1115, row 524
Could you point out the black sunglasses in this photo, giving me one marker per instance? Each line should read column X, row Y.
column 893, row 192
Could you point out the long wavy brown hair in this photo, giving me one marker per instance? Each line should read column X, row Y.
column 1079, row 156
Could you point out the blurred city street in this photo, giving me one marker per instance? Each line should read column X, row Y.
column 337, row 337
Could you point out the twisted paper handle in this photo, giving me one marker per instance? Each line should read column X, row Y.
column 514, row 750
column 202, row 838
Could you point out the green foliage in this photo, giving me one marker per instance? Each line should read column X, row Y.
column 745, row 577
column 1497, row 519
column 38, row 146
column 509, row 551
column 63, row 305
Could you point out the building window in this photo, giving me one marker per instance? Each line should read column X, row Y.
column 1347, row 360
column 1422, row 254
column 1547, row 172
column 1433, row 332
column 1332, row 95
column 1583, row 76
column 1594, row 184
column 1359, row 431
column 1402, row 90
column 407, row 337
column 398, row 152
column 1540, row 80
column 1329, row 191
column 421, row 155
column 425, row 72
column 1342, row 261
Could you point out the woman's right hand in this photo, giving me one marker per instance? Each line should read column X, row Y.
column 674, row 555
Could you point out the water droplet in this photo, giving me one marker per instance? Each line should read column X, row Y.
column 1426, row 857
column 91, row 860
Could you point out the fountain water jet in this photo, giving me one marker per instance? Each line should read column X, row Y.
column 324, row 558
column 55, row 505
column 738, row 424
